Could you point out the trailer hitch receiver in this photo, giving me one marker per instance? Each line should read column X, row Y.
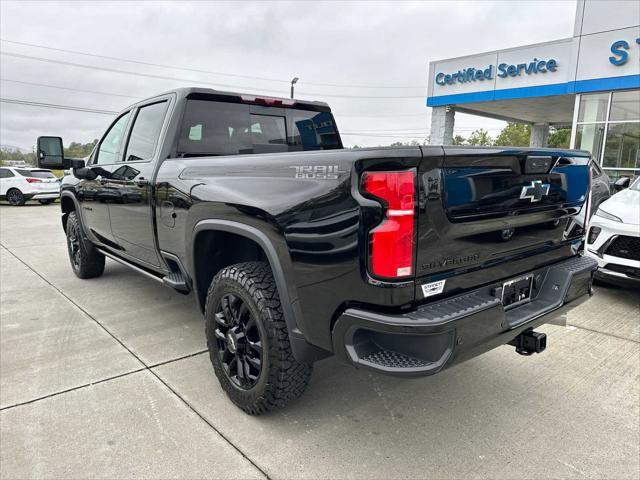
column 529, row 342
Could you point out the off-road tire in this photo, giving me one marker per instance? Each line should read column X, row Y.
column 282, row 379
column 86, row 261
column 15, row 197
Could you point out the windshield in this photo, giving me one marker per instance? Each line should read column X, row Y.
column 219, row 128
column 36, row 173
column 635, row 185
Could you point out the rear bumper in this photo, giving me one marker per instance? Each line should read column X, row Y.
column 443, row 333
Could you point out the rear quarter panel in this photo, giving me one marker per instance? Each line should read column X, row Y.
column 307, row 204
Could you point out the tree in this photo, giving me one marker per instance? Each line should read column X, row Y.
column 10, row 154
column 514, row 135
column 459, row 140
column 79, row 150
column 559, row 138
column 480, row 138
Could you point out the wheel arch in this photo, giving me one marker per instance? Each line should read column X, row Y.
column 68, row 204
column 238, row 240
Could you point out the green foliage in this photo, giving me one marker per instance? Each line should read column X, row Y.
column 8, row 154
column 480, row 138
column 514, row 135
column 79, row 150
column 559, row 138
column 412, row 143
column 459, row 140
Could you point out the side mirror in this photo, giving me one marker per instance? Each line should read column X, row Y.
column 51, row 153
column 621, row 183
column 79, row 169
column 76, row 163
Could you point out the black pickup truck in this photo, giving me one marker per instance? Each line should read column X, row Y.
column 403, row 261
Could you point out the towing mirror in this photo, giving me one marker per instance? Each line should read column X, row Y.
column 621, row 183
column 51, row 153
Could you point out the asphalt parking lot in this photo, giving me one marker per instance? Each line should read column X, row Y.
column 109, row 378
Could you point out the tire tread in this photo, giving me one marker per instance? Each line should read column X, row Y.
column 287, row 378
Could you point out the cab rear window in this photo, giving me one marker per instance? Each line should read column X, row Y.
column 218, row 128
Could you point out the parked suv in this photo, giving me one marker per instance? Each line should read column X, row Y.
column 296, row 249
column 17, row 185
column 614, row 237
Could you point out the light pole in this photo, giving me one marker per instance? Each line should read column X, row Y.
column 293, row 82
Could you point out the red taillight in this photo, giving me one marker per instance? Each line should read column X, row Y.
column 33, row 180
column 391, row 242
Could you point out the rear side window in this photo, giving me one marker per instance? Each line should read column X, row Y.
column 4, row 173
column 145, row 132
column 40, row 174
column 218, row 128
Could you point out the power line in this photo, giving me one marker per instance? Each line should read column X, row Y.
column 365, row 133
column 356, row 134
column 56, row 106
column 382, row 115
column 66, row 88
column 192, row 81
column 196, row 70
column 363, row 115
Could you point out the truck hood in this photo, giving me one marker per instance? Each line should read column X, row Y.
column 625, row 205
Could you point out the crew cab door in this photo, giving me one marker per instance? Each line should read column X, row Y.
column 93, row 193
column 131, row 210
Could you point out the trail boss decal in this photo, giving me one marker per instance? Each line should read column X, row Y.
column 317, row 172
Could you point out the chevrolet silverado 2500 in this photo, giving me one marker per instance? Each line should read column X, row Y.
column 404, row 261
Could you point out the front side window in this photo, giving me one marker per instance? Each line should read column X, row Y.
column 145, row 132
column 5, row 173
column 110, row 145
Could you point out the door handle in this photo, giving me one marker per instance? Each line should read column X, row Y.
column 141, row 182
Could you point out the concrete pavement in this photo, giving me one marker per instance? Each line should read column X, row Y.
column 107, row 378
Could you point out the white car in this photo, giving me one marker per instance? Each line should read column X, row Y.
column 614, row 237
column 19, row 184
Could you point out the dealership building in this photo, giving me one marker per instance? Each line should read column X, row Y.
column 590, row 82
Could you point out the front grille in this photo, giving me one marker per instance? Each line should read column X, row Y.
column 625, row 247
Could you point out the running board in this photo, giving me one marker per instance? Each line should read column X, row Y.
column 175, row 280
column 132, row 266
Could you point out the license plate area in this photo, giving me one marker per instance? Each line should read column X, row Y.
column 516, row 292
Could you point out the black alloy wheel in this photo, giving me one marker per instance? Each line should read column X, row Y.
column 15, row 197
column 239, row 342
column 73, row 244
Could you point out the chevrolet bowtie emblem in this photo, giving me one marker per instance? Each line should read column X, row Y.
column 535, row 191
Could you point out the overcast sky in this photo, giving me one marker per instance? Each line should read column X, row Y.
column 362, row 43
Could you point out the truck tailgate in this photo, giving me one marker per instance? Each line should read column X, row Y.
column 491, row 214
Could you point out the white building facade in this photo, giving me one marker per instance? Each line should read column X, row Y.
column 590, row 82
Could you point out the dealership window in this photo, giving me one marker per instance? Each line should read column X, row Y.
column 608, row 125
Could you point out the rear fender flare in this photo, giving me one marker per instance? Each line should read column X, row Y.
column 302, row 350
